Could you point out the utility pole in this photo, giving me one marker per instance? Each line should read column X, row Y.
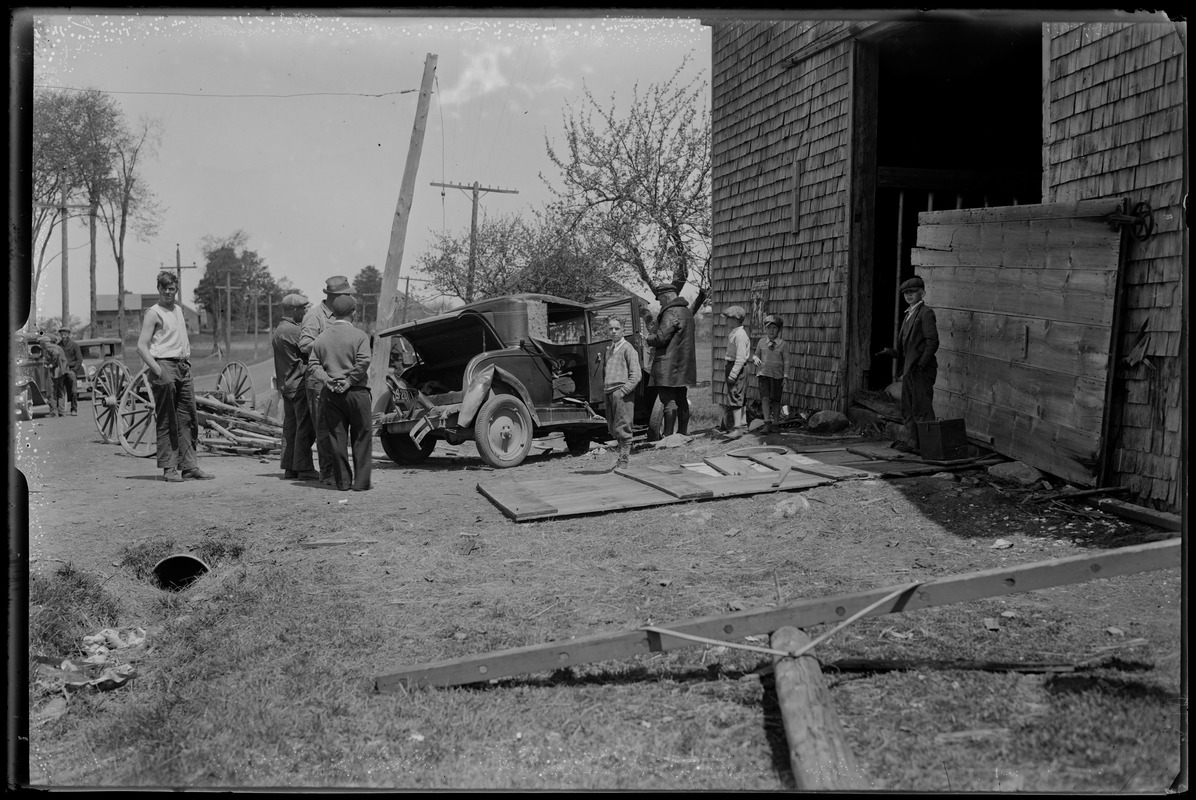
column 66, row 297
column 228, row 314
column 178, row 270
column 398, row 230
column 473, row 229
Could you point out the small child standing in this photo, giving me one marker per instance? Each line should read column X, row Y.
column 739, row 349
column 620, row 377
column 772, row 368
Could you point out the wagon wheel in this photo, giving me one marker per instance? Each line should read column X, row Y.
column 135, row 418
column 107, row 386
column 235, row 386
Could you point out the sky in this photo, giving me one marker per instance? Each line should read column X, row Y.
column 295, row 128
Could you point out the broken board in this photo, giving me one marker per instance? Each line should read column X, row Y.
column 813, row 466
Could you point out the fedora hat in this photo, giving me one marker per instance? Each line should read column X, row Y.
column 337, row 284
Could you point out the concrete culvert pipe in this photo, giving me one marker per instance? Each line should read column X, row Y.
column 176, row 572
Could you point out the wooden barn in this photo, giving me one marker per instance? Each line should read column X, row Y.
column 1033, row 173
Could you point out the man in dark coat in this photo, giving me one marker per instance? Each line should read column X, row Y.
column 74, row 368
column 314, row 322
column 917, row 342
column 290, row 369
column 674, row 360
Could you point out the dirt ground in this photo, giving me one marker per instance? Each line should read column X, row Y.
column 87, row 500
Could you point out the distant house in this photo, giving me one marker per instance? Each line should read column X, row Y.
column 135, row 305
column 1033, row 174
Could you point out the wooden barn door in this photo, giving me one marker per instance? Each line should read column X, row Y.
column 1025, row 298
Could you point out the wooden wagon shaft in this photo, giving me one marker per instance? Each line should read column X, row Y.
column 819, row 754
column 801, row 614
column 219, row 429
column 267, row 430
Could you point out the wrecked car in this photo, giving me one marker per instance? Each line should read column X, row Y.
column 502, row 372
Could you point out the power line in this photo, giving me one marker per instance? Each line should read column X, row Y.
column 208, row 94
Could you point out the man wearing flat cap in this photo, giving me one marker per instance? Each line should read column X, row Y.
column 340, row 360
column 55, row 360
column 314, row 323
column 917, row 342
column 674, row 360
column 290, row 373
column 74, row 367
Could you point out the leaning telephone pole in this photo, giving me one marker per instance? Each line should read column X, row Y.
column 398, row 232
column 473, row 229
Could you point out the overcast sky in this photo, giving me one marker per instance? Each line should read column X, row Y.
column 295, row 128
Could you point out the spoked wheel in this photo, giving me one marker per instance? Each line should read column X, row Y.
column 503, row 431
column 234, row 385
column 107, row 386
column 135, row 419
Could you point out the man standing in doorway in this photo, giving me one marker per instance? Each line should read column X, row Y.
column 165, row 348
column 917, row 342
column 290, row 372
column 674, row 359
column 74, row 368
column 313, row 325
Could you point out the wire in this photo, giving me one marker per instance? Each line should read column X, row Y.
column 207, row 94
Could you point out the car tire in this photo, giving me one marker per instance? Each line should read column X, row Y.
column 401, row 449
column 24, row 407
column 502, row 431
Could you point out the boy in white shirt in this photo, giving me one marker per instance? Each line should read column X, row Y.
column 739, row 348
column 621, row 376
column 772, row 368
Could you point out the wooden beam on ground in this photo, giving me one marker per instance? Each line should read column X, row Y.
column 821, row 758
column 1162, row 519
column 800, row 614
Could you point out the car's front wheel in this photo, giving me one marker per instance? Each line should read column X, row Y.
column 502, row 431
column 401, row 449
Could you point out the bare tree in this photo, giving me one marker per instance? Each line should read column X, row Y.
column 641, row 180
column 127, row 201
column 50, row 168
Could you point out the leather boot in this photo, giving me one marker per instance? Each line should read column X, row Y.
column 683, row 421
column 670, row 421
column 624, row 459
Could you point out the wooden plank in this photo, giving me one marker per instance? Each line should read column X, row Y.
column 819, row 755
column 516, row 500
column 1078, row 296
column 878, row 452
column 678, row 486
column 817, row 467
column 801, row 614
column 1058, row 346
column 1161, row 519
column 757, row 483
column 728, row 465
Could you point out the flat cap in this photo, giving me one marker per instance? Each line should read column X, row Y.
column 737, row 312
column 344, row 304
column 913, row 283
column 295, row 300
column 661, row 288
column 774, row 319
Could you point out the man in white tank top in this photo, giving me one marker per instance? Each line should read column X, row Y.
column 166, row 350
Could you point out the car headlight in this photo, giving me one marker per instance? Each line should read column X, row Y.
column 91, row 372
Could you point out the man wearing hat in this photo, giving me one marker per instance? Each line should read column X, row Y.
column 739, row 348
column 290, row 372
column 55, row 360
column 340, row 361
column 674, row 361
column 74, row 366
column 314, row 323
column 917, row 342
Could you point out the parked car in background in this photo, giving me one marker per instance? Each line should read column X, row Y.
column 95, row 353
column 502, row 372
column 32, row 384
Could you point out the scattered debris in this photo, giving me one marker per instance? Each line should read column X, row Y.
column 790, row 506
column 674, row 440
column 1000, row 544
column 992, row 624
column 828, row 422
column 1115, row 631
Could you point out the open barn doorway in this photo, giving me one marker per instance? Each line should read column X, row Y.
column 958, row 125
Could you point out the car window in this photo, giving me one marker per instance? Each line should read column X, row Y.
column 598, row 318
column 571, row 330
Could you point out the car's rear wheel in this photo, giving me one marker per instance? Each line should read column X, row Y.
column 24, row 405
column 401, row 449
column 502, row 431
